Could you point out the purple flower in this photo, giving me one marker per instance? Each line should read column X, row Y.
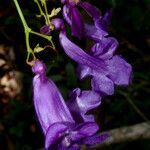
column 105, row 69
column 95, row 31
column 73, row 17
column 61, row 130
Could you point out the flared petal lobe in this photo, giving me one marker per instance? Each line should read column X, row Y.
column 119, row 70
column 105, row 48
column 102, row 84
column 81, row 102
column 49, row 104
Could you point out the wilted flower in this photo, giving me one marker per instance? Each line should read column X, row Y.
column 61, row 129
column 104, row 68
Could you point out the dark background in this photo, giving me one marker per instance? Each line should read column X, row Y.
column 19, row 128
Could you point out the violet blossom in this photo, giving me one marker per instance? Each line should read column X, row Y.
column 80, row 29
column 73, row 17
column 105, row 69
column 61, row 129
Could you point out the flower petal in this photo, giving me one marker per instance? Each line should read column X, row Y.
column 78, row 55
column 119, row 70
column 67, row 14
column 105, row 48
column 83, row 130
column 54, row 132
column 83, row 71
column 77, row 26
column 94, row 33
column 102, row 84
column 81, row 102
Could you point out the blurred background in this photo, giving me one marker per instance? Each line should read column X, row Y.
column 19, row 128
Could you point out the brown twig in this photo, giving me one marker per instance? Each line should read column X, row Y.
column 125, row 134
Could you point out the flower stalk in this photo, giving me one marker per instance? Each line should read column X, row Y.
column 29, row 31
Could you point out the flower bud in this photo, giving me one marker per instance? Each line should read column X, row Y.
column 58, row 24
column 39, row 67
column 45, row 29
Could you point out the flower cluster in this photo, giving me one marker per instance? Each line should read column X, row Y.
column 66, row 125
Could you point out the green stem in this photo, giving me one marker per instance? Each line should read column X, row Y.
column 46, row 12
column 49, row 38
column 21, row 15
column 40, row 9
column 26, row 31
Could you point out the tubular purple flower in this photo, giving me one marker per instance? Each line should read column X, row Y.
column 61, row 130
column 49, row 104
column 81, row 30
column 104, row 68
column 74, row 19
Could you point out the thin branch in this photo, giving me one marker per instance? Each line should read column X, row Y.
column 125, row 134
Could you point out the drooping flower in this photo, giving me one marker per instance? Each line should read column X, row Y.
column 78, row 27
column 60, row 128
column 73, row 17
column 105, row 69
